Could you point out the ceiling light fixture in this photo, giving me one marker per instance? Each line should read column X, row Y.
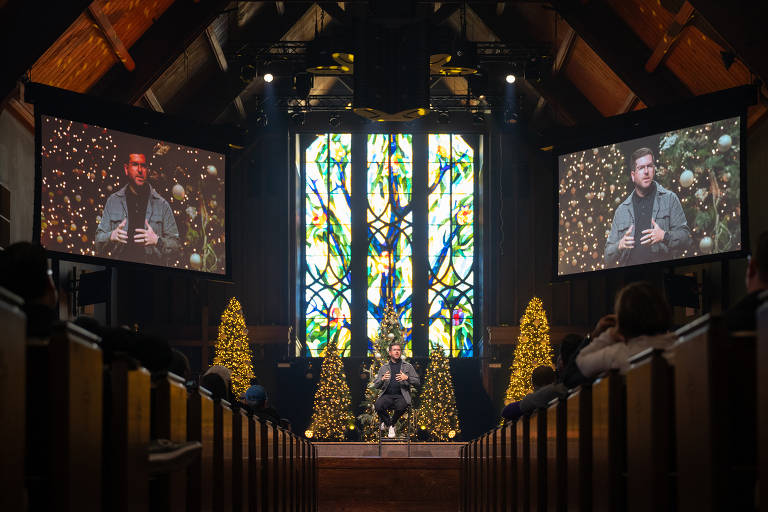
column 268, row 77
column 510, row 78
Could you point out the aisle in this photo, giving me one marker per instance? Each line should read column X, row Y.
column 352, row 477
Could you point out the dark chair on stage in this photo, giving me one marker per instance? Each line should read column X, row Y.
column 408, row 417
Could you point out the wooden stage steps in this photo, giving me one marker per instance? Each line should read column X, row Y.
column 352, row 477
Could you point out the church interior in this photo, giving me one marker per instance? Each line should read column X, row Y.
column 477, row 255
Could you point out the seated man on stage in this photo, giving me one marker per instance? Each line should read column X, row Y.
column 394, row 393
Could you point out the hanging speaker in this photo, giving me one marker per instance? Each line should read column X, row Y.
column 391, row 72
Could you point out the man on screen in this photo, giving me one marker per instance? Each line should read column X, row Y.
column 650, row 224
column 137, row 224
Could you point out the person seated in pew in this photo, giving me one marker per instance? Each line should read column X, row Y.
column 570, row 375
column 643, row 320
column 218, row 380
column 256, row 403
column 569, row 346
column 741, row 317
column 24, row 271
column 545, row 389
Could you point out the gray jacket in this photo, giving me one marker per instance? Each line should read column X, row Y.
column 159, row 216
column 406, row 368
column 668, row 214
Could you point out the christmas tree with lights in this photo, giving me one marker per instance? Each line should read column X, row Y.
column 532, row 350
column 437, row 412
column 389, row 332
column 701, row 165
column 232, row 349
column 332, row 410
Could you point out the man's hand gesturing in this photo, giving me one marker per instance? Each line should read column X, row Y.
column 145, row 236
column 119, row 234
column 386, row 376
column 401, row 376
column 628, row 240
column 652, row 236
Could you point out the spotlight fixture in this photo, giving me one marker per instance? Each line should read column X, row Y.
column 510, row 78
column 334, row 120
column 478, row 118
column 443, row 117
column 510, row 116
column 268, row 77
column 261, row 119
column 298, row 118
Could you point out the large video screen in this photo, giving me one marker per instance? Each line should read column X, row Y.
column 663, row 197
column 114, row 195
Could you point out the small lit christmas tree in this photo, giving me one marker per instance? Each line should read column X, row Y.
column 532, row 350
column 332, row 411
column 232, row 349
column 437, row 413
column 389, row 332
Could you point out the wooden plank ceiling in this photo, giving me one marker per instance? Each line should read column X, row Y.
column 610, row 56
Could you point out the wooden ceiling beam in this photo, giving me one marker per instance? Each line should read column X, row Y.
column 564, row 51
column 623, row 51
column 216, row 48
column 152, row 100
column 157, row 49
column 114, row 41
column 670, row 38
column 564, row 98
column 335, row 11
column 29, row 28
column 212, row 92
column 742, row 24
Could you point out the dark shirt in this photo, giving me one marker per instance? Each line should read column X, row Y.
column 137, row 213
column 394, row 385
column 643, row 208
column 741, row 317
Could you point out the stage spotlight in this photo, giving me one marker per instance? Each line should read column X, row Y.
column 298, row 118
column 334, row 120
column 268, row 77
column 443, row 117
column 510, row 116
column 261, row 119
column 478, row 118
column 510, row 78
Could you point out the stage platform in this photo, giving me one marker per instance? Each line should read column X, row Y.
column 353, row 478
column 388, row 449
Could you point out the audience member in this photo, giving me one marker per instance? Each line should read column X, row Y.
column 180, row 364
column 741, row 317
column 256, row 401
column 218, row 380
column 24, row 271
column 568, row 347
column 571, row 376
column 643, row 319
column 545, row 389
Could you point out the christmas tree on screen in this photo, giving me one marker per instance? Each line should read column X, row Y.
column 232, row 349
column 332, row 410
column 701, row 165
column 532, row 350
column 437, row 412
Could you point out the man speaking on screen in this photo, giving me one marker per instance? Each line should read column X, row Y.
column 137, row 224
column 650, row 224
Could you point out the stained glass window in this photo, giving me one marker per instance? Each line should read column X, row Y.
column 328, row 244
column 450, row 201
column 390, row 232
column 384, row 245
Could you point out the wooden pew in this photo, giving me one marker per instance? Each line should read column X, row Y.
column 510, row 491
column 169, row 421
column 13, row 400
column 482, row 458
column 537, row 448
column 200, row 415
column 609, row 443
column 650, row 432
column 497, row 467
column 715, row 417
column 240, row 453
column 523, row 464
column 254, row 471
column 579, row 448
column 222, row 456
column 64, row 448
column 557, row 496
column 762, row 399
column 129, row 435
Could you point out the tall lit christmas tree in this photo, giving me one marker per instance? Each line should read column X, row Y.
column 389, row 332
column 437, row 412
column 332, row 411
column 532, row 350
column 232, row 349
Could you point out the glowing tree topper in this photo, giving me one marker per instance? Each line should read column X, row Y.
column 232, row 349
column 532, row 350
